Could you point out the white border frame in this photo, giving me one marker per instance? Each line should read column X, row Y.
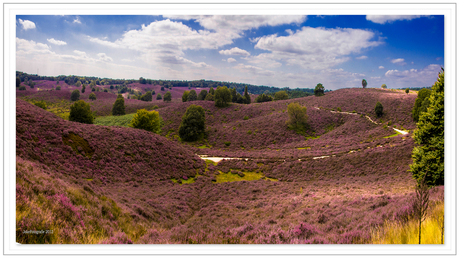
column 451, row 24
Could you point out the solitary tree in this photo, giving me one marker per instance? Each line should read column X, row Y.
column 192, row 126
column 421, row 103
column 281, row 95
column 92, row 96
column 147, row 97
column 222, row 96
column 319, row 90
column 364, row 83
column 246, row 97
column 378, row 109
column 428, row 155
column 159, row 97
column 185, row 96
column 119, row 106
column 80, row 111
column 298, row 119
column 384, row 86
column 192, row 96
column 75, row 95
column 146, row 120
column 167, row 97
column 407, row 90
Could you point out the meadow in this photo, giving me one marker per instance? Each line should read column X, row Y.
column 345, row 181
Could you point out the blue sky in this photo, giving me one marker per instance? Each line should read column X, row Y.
column 283, row 51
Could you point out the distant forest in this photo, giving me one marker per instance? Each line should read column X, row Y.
column 252, row 89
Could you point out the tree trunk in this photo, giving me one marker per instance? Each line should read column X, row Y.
column 419, row 231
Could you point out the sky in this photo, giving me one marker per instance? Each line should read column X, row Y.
column 292, row 51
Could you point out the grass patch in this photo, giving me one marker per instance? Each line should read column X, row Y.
column 203, row 147
column 248, row 176
column 121, row 120
column 300, row 148
column 311, row 137
column 394, row 135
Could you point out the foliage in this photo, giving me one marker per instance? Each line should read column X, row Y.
column 222, row 96
column 185, row 96
column 421, row 202
column 159, row 97
column 281, row 95
column 192, row 126
column 428, row 156
column 92, row 96
column 18, row 82
column 146, row 120
column 364, row 83
column 298, row 119
column 80, row 111
column 202, row 95
column 58, row 87
column 209, row 97
column 264, row 98
column 167, row 96
column 384, row 86
column 407, row 90
column 421, row 103
column 41, row 104
column 211, row 90
column 319, row 90
column 119, row 106
column 192, row 96
column 378, row 109
column 246, row 97
column 75, row 95
column 147, row 97
column 23, row 88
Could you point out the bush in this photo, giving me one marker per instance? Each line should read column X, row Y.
column 159, row 97
column 106, row 91
column 378, row 109
column 384, row 86
column 227, row 143
column 57, row 87
column 23, row 88
column 246, row 118
column 149, row 121
column 147, row 97
column 75, row 96
column 92, row 96
column 407, row 90
column 192, row 96
column 209, row 97
column 281, row 95
column 202, row 95
column 162, row 88
column 319, row 90
column 298, row 119
column 222, row 96
column 80, row 111
column 167, row 97
column 41, row 104
column 192, row 126
column 185, row 96
column 264, row 98
column 119, row 106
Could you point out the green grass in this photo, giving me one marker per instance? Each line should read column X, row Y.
column 202, row 147
column 394, row 135
column 311, row 137
column 300, row 148
column 248, row 176
column 121, row 120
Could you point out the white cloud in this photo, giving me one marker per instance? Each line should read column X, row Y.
column 252, row 70
column 381, row 67
column 382, row 19
column 361, row 57
column 399, row 61
column 26, row 24
column 231, row 60
column 316, row 48
column 414, row 77
column 56, row 42
column 104, row 42
column 24, row 47
column 104, row 57
column 77, row 20
column 234, row 51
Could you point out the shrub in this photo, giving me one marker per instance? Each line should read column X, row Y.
column 222, row 96
column 162, row 88
column 111, row 86
column 246, row 118
column 41, row 104
column 92, row 96
column 147, row 97
column 119, row 106
column 227, row 143
column 185, row 96
column 364, row 83
column 319, row 90
column 192, row 96
column 93, row 89
column 281, row 95
column 80, row 111
column 159, row 97
column 106, row 91
column 298, row 119
column 75, row 96
column 378, row 109
column 384, row 86
column 192, row 126
column 202, row 94
column 264, row 98
column 209, row 97
column 407, row 90
column 22, row 88
column 149, row 121
column 57, row 87
column 167, row 97
column 211, row 90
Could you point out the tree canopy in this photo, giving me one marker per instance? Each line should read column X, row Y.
column 146, row 120
column 192, row 126
column 80, row 111
column 222, row 96
column 319, row 90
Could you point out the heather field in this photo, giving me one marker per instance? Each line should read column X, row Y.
column 345, row 181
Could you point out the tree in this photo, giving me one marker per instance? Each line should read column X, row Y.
column 142, row 80
column 246, row 97
column 92, row 96
column 364, row 83
column 57, row 87
column 159, row 97
column 192, row 126
column 420, row 205
column 281, row 95
column 149, row 121
column 75, row 95
column 111, row 86
column 298, row 119
column 83, row 89
column 233, row 92
column 264, row 98
column 147, row 97
column 384, row 86
column 407, row 90
column 222, row 96
column 378, row 109
column 167, row 97
column 185, row 96
column 119, row 106
column 209, row 97
column 211, row 90
column 18, row 82
column 162, row 88
column 428, row 155
column 202, row 94
column 80, row 111
column 421, row 103
column 319, row 90
column 192, row 96
column 23, row 88
column 78, row 84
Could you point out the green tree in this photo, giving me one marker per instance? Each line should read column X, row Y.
column 233, row 92
column 192, row 126
column 211, row 90
column 202, row 94
column 222, row 96
column 298, row 119
column 428, row 155
column 319, row 90
column 167, row 97
column 18, row 82
column 407, row 90
column 92, row 96
column 421, row 103
column 192, row 96
column 185, row 96
column 147, row 97
column 384, row 86
column 41, row 104
column 119, row 106
column 146, row 120
column 78, row 84
column 159, row 97
column 75, row 95
column 209, row 97
column 264, row 98
column 364, row 83
column 80, row 111
column 22, row 88
column 82, row 89
column 378, row 109
column 281, row 95
column 162, row 88
column 57, row 87
column 246, row 97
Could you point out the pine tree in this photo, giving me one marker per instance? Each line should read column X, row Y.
column 246, row 97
